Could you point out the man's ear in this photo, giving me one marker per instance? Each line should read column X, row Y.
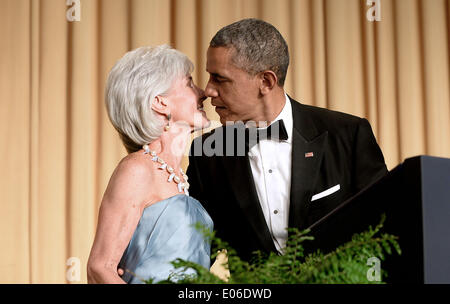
column 268, row 81
column 160, row 106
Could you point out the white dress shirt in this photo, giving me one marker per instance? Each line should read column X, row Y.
column 270, row 162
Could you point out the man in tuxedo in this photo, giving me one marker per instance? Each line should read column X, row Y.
column 317, row 159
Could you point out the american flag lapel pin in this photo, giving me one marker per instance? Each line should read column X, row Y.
column 309, row 154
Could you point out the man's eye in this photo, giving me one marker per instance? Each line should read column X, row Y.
column 218, row 79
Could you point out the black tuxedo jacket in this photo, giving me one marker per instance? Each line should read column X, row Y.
column 345, row 153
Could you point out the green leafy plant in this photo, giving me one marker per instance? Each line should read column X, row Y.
column 346, row 264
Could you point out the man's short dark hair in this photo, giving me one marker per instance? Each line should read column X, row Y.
column 258, row 46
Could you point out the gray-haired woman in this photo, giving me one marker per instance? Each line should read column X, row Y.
column 146, row 216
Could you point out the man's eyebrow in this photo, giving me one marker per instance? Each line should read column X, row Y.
column 217, row 75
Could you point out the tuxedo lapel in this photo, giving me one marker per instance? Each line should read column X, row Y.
column 307, row 153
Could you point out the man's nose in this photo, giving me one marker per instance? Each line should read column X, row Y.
column 210, row 90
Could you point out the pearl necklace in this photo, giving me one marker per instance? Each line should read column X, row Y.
column 182, row 186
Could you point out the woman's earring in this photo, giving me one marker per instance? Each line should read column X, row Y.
column 167, row 127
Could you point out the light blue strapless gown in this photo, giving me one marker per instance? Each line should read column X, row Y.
column 166, row 232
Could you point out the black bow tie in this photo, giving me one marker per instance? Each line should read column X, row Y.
column 276, row 131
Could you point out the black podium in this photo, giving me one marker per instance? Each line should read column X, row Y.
column 415, row 197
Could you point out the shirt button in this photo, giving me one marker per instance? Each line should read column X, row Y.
column 270, row 170
column 275, row 211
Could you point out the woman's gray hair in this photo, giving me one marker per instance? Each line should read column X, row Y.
column 258, row 46
column 132, row 85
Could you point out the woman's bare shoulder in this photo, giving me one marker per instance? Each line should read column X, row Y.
column 132, row 179
column 136, row 164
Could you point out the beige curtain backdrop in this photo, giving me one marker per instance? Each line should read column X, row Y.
column 58, row 148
